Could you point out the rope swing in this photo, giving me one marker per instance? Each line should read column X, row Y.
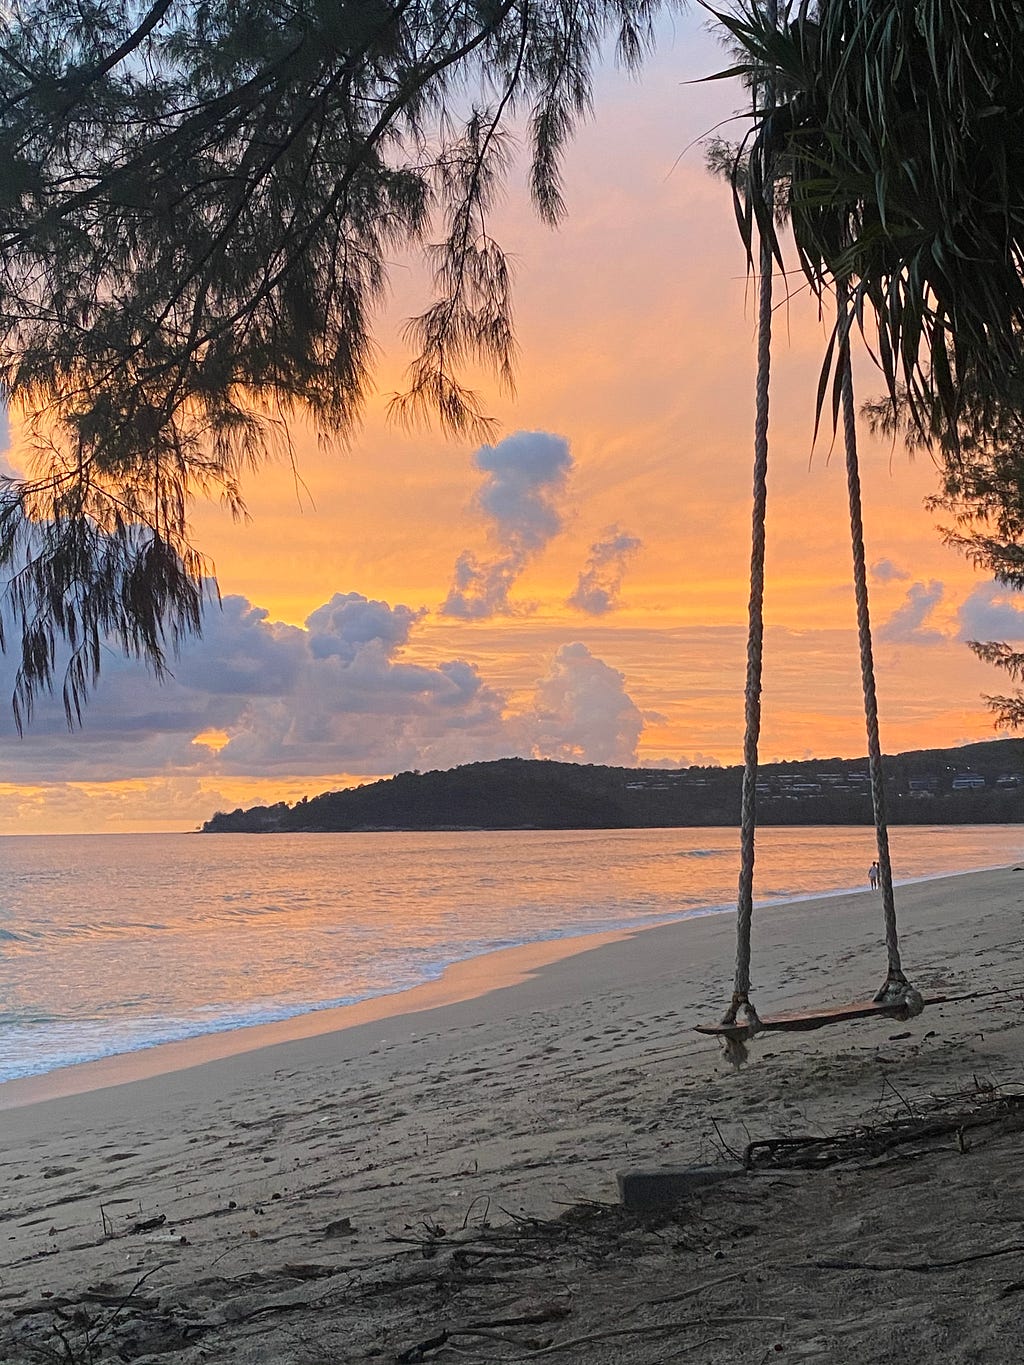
column 896, row 997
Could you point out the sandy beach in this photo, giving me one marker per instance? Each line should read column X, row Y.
column 433, row 1176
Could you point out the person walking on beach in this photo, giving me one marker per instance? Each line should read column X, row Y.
column 873, row 876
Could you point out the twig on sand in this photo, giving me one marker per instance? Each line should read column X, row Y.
column 530, row 1317
column 446, row 1337
column 510, row 1360
column 688, row 1293
column 925, row 1267
column 952, row 1118
column 722, row 1144
column 647, row 1330
column 421, row 1348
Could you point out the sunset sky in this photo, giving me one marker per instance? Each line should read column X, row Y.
column 576, row 590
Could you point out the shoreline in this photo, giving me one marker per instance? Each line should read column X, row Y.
column 318, row 1196
column 460, row 980
column 467, row 981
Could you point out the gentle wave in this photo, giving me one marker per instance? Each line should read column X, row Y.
column 154, row 1032
column 221, row 934
column 111, row 1041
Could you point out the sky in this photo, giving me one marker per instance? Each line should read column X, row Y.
column 577, row 587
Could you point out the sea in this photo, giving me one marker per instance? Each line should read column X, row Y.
column 114, row 943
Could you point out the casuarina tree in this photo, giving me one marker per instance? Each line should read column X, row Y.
column 199, row 202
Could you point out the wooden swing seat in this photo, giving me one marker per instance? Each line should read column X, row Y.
column 804, row 1021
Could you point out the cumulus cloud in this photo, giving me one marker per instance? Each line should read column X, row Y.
column 349, row 622
column 253, row 698
column 885, row 571
column 906, row 626
column 337, row 695
column 583, row 712
column 524, row 479
column 991, row 613
column 600, row 581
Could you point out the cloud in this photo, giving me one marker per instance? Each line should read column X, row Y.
column 583, row 712
column 906, row 625
column 599, row 582
column 162, row 802
column 253, row 698
column 698, row 760
column 525, row 476
column 337, row 695
column 348, row 622
column 990, row 613
column 480, row 589
column 885, row 571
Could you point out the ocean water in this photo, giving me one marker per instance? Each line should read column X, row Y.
column 112, row 943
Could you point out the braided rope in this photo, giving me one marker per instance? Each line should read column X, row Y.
column 896, row 985
column 755, row 648
column 755, row 615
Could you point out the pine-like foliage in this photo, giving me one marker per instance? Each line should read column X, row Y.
column 983, row 489
column 198, row 205
column 981, row 466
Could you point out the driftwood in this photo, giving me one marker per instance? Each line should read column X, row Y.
column 953, row 1118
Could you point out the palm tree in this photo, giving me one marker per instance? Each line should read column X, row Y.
column 902, row 130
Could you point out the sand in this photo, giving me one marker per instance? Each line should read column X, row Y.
column 433, row 1177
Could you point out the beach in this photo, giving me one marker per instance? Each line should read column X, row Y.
column 432, row 1175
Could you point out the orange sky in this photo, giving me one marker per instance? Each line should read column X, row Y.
column 636, row 332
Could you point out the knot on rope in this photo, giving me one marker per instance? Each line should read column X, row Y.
column 736, row 1053
column 751, row 1018
column 913, row 1002
column 905, row 1000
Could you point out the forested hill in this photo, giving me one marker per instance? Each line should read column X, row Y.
column 976, row 784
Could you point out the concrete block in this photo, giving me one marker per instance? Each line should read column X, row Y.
column 653, row 1189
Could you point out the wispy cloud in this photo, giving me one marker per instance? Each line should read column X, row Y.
column 600, row 581
column 525, row 477
column 906, row 626
column 885, row 571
